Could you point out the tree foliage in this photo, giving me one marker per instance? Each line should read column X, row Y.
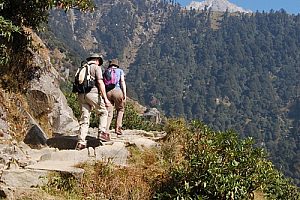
column 241, row 76
column 231, row 71
column 15, row 17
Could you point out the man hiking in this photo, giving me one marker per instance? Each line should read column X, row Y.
column 95, row 99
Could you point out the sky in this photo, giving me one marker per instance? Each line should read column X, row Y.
column 291, row 6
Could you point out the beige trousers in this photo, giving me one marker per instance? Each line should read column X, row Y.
column 88, row 102
column 116, row 99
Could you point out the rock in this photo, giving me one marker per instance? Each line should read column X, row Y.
column 61, row 117
column 24, row 178
column 116, row 153
column 217, row 5
column 153, row 115
column 6, row 192
column 40, row 103
column 144, row 143
column 25, row 167
column 3, row 125
column 58, row 166
column 36, row 155
column 35, row 136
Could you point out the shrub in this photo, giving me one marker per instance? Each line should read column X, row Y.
column 217, row 165
column 105, row 181
column 62, row 184
column 133, row 120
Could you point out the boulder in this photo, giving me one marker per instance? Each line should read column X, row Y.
column 35, row 136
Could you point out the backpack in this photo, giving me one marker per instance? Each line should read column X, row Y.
column 110, row 78
column 83, row 82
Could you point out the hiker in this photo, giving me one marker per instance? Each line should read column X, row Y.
column 116, row 95
column 96, row 99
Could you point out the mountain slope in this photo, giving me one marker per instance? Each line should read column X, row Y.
column 217, row 5
column 241, row 76
column 111, row 29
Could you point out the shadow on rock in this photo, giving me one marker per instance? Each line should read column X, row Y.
column 64, row 142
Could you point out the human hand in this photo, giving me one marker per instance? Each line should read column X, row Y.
column 107, row 102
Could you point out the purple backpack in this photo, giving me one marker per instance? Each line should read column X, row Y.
column 110, row 78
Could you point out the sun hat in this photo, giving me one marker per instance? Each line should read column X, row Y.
column 114, row 62
column 95, row 55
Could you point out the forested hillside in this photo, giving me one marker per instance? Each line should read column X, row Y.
column 242, row 74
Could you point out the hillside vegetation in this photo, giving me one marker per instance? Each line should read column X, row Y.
column 242, row 76
column 193, row 161
column 231, row 71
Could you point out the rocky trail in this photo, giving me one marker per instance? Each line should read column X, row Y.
column 24, row 168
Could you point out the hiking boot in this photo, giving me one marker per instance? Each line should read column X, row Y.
column 118, row 131
column 104, row 136
column 80, row 146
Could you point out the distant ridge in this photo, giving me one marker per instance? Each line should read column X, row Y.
column 217, row 5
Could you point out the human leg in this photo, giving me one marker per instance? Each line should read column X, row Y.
column 120, row 107
column 119, row 122
column 98, row 105
column 103, row 115
column 84, row 121
column 110, row 109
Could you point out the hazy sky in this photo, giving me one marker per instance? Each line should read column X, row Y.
column 291, row 6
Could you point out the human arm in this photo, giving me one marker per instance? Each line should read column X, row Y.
column 123, row 86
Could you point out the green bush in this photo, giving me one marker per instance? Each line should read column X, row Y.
column 73, row 104
column 133, row 120
column 218, row 165
column 62, row 184
column 278, row 187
